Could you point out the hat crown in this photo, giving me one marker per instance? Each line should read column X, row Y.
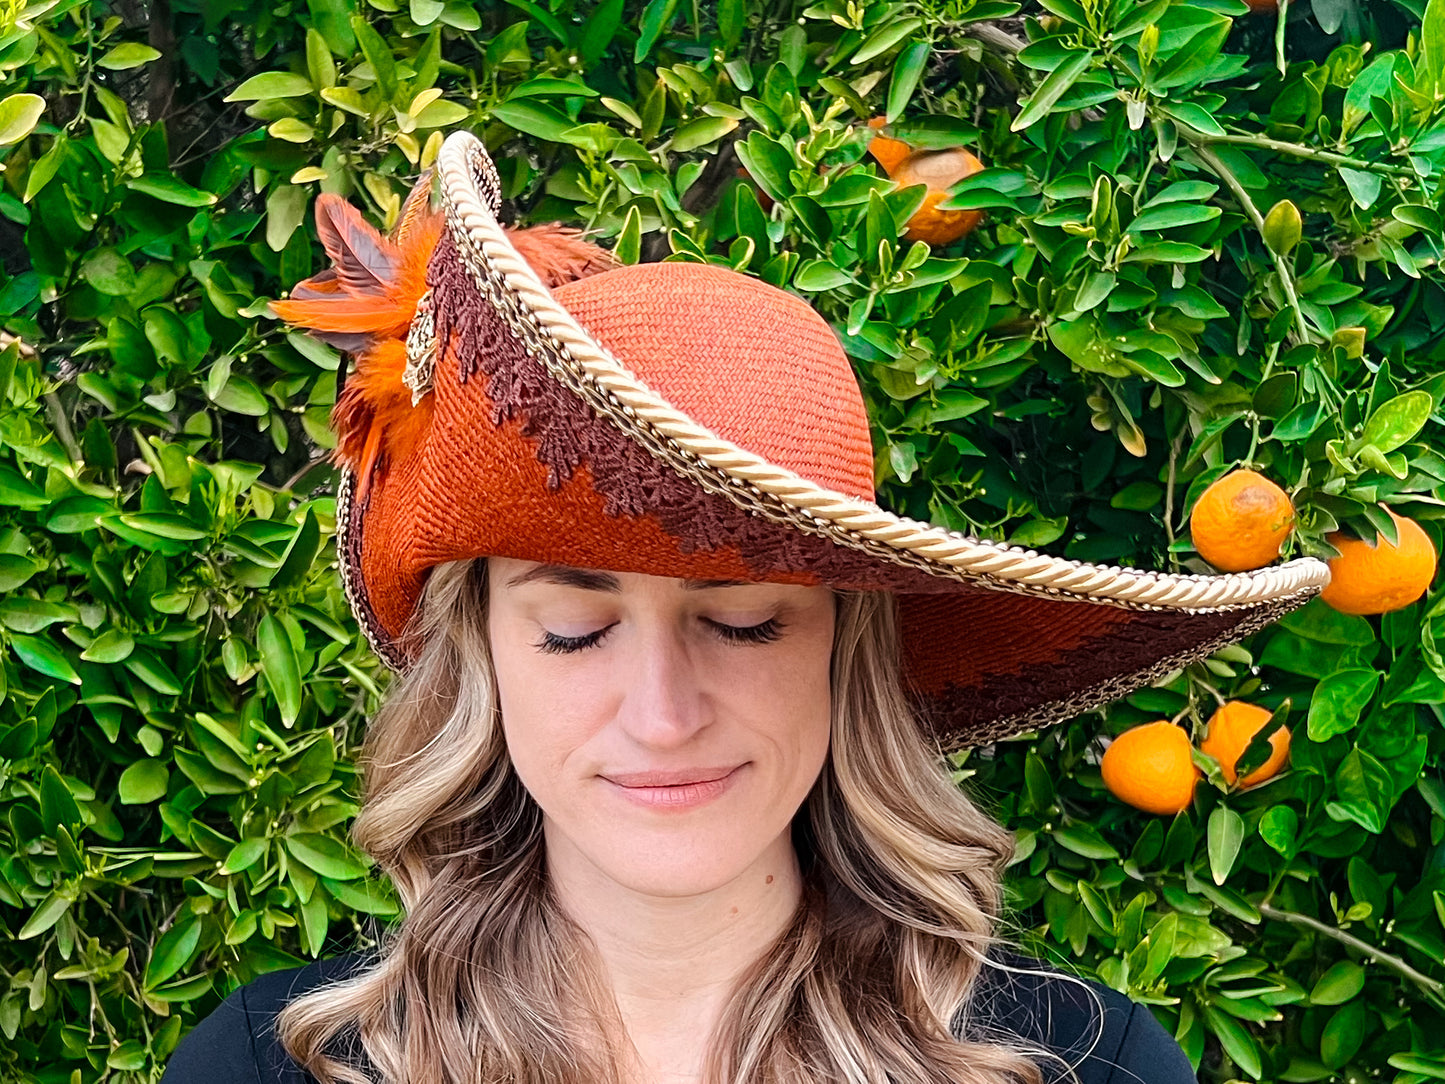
column 755, row 364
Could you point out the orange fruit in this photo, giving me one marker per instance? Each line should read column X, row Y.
column 1231, row 729
column 886, row 150
column 940, row 171
column 1366, row 579
column 1240, row 522
column 1150, row 767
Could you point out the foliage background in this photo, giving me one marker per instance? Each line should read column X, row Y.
column 183, row 685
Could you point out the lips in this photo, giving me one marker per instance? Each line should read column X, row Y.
column 676, row 777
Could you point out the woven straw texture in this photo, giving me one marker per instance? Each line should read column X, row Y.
column 683, row 420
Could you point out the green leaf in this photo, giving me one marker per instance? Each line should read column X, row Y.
column 1432, row 44
column 1338, row 701
column 816, row 275
column 907, row 70
column 1365, row 790
column 1339, row 984
column 155, row 673
column 1238, row 1043
column 244, row 855
column 1226, row 836
column 1168, row 216
column 164, row 525
column 886, row 37
column 282, row 670
column 299, row 555
column 535, row 119
column 1279, row 827
column 19, row 114
column 270, row 85
column 144, row 781
column 128, row 54
column 42, row 656
column 1364, row 185
column 441, row 115
column 1398, row 421
column 1085, row 839
column 1041, row 103
column 57, row 804
column 948, row 405
column 628, row 249
column 175, row 949
column 46, row 167
column 1344, row 1034
column 378, row 54
column 656, row 17
column 319, row 64
column 1195, row 117
column 50, row 911
column 702, row 131
column 285, row 208
column 325, row 856
column 109, row 272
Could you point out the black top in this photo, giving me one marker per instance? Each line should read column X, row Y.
column 236, row 1044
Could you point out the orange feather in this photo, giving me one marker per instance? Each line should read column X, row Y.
column 364, row 304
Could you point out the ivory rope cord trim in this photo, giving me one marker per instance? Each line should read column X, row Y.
column 570, row 354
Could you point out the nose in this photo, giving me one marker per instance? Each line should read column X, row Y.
column 664, row 702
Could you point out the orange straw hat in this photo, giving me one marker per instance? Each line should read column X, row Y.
column 517, row 394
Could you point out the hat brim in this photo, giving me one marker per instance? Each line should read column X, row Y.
column 996, row 639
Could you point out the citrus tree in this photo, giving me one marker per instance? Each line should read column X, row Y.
column 1109, row 270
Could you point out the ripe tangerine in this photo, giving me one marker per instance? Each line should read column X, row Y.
column 1240, row 522
column 940, row 171
column 1375, row 579
column 1150, row 766
column 1231, row 729
column 886, row 150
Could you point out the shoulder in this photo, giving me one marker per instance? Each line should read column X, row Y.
column 1104, row 1036
column 237, row 1044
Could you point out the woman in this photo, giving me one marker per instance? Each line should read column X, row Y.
column 659, row 786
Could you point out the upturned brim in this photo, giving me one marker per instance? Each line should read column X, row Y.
column 547, row 446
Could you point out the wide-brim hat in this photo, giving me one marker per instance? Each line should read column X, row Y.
column 682, row 419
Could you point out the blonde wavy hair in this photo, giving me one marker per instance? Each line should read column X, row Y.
column 487, row 981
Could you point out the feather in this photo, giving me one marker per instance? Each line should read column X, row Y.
column 559, row 254
column 364, row 304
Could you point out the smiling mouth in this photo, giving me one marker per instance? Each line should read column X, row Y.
column 676, row 778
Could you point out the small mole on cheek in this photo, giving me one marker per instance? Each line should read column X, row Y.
column 769, row 880
column 735, row 910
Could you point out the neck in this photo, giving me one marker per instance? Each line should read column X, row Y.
column 672, row 961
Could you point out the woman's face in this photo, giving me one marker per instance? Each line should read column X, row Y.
column 668, row 729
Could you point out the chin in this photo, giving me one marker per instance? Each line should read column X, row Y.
column 678, row 867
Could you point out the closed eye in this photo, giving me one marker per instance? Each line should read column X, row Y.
column 766, row 632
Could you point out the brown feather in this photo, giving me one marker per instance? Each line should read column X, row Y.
column 559, row 253
column 365, row 301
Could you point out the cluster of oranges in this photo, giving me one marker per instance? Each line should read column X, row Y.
column 939, row 170
column 1241, row 521
column 1151, row 766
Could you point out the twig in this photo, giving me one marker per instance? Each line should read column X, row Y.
column 1394, row 963
column 1298, row 150
column 1000, row 40
column 1279, row 58
column 1281, row 265
column 26, row 350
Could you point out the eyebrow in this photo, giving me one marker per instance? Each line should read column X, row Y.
column 592, row 580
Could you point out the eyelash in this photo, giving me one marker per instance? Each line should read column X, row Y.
column 767, row 632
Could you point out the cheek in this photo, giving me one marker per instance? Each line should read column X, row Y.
column 544, row 717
